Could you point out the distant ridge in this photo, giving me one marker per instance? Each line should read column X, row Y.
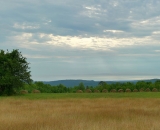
column 72, row 83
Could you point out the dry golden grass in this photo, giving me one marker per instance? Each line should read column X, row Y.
column 80, row 114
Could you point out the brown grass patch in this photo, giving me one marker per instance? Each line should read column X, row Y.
column 79, row 91
column 88, row 91
column 113, row 90
column 36, row 91
column 24, row 91
column 80, row 114
column 141, row 90
column 154, row 90
column 147, row 90
column 120, row 90
column 104, row 91
column 128, row 90
column 96, row 91
column 135, row 90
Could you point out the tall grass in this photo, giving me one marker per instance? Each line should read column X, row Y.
column 80, row 114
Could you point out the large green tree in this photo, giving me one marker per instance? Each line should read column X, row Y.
column 14, row 72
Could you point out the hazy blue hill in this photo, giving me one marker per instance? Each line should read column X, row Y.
column 72, row 83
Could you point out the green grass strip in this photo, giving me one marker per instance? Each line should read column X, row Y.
column 85, row 95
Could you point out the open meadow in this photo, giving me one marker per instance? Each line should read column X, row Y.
column 81, row 111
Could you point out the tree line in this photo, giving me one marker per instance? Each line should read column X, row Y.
column 101, row 87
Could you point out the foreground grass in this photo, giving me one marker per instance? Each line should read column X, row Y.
column 80, row 114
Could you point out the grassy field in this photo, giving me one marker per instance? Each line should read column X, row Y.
column 86, row 95
column 100, row 111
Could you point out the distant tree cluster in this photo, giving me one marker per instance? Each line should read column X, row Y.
column 14, row 72
column 102, row 87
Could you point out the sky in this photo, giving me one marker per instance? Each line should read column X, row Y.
column 84, row 39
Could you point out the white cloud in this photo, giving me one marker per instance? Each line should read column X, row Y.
column 24, row 40
column 114, row 3
column 95, row 43
column 113, row 31
column 156, row 32
column 157, row 51
column 25, row 26
column 23, row 37
column 94, row 11
column 92, row 8
column 36, row 56
column 151, row 22
column 31, row 41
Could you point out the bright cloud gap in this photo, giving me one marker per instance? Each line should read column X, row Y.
column 95, row 43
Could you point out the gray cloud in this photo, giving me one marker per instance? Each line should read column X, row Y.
column 81, row 17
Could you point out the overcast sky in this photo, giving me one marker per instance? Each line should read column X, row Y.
column 84, row 39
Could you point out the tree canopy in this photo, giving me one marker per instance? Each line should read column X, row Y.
column 14, row 72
